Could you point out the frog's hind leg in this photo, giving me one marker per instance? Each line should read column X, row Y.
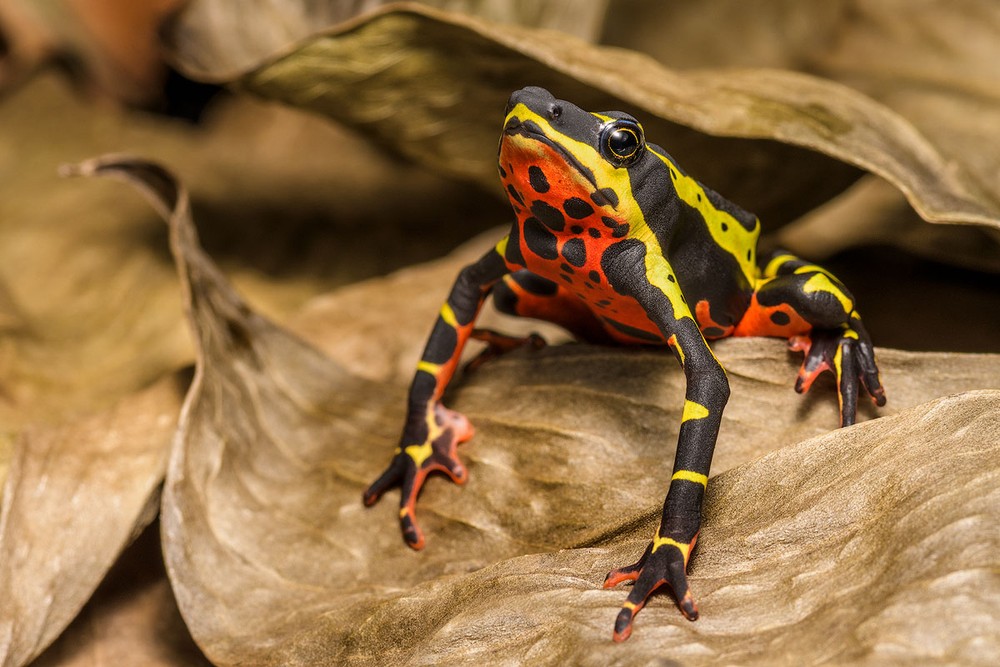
column 808, row 305
column 526, row 294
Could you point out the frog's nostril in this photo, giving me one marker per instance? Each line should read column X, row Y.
column 555, row 111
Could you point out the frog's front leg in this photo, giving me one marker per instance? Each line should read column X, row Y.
column 811, row 307
column 648, row 277
column 432, row 432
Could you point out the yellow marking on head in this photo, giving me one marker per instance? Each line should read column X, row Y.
column 419, row 453
column 820, row 282
column 726, row 231
column 771, row 270
column 428, row 367
column 691, row 476
column 693, row 411
column 658, row 542
column 850, row 333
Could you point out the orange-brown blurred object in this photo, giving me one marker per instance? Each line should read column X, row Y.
column 110, row 47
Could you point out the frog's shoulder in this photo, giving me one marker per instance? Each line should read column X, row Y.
column 689, row 188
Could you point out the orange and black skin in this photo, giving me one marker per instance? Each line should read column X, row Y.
column 616, row 243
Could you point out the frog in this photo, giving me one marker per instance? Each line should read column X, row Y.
column 616, row 243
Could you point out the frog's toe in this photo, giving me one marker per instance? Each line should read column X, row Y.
column 659, row 565
column 848, row 354
column 412, row 464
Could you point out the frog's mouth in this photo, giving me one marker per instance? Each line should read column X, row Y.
column 531, row 130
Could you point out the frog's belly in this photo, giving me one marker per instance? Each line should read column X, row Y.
column 576, row 269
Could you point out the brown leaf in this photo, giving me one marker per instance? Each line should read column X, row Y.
column 936, row 65
column 274, row 560
column 75, row 496
column 870, row 545
column 132, row 619
column 432, row 85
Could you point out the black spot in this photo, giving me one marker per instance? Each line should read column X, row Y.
column 549, row 215
column 503, row 174
column 566, row 267
column 725, row 227
column 605, row 196
column 609, row 222
column 567, row 278
column 594, row 231
column 540, row 240
column 595, row 276
column 621, row 231
column 699, row 196
column 513, row 254
column 713, row 332
column 514, row 195
column 587, row 285
column 535, row 284
column 575, row 252
column 603, row 303
column 577, row 209
column 537, row 179
column 749, row 254
column 673, row 174
column 780, row 318
column 576, row 229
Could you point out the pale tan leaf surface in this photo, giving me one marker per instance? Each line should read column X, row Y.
column 75, row 496
column 867, row 546
column 416, row 79
column 275, row 562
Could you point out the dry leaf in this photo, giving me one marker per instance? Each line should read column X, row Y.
column 232, row 36
column 275, row 562
column 432, row 85
column 75, row 496
column 936, row 65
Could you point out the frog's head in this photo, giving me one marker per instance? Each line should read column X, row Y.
column 562, row 152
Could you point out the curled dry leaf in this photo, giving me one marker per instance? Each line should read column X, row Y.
column 432, row 84
column 75, row 496
column 275, row 562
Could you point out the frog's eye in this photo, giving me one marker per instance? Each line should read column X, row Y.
column 621, row 142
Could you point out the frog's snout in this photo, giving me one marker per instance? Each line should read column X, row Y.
column 538, row 99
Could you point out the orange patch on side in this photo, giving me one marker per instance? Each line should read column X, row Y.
column 758, row 321
column 703, row 314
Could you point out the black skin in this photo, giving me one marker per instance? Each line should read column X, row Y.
column 576, row 257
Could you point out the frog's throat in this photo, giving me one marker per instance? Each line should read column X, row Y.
column 529, row 129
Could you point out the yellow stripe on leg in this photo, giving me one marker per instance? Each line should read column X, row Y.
column 691, row 476
column 658, row 542
column 692, row 411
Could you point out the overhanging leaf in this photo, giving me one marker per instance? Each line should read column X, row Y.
column 274, row 561
column 431, row 84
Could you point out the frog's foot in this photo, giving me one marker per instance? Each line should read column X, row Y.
column 848, row 353
column 412, row 464
column 498, row 344
column 663, row 562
